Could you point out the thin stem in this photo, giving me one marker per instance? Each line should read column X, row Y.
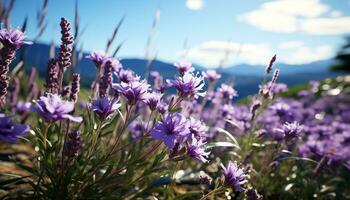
column 211, row 192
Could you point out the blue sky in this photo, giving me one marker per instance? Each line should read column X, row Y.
column 298, row 31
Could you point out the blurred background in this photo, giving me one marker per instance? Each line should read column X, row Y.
column 236, row 37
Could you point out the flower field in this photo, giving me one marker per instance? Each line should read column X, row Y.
column 135, row 139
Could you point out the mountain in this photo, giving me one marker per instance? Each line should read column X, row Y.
column 246, row 78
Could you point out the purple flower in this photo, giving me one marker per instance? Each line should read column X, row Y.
column 171, row 129
column 22, row 107
column 104, row 106
column 137, row 129
column 116, row 65
column 127, row 76
column 152, row 100
column 197, row 151
column 133, row 91
column 291, row 130
column 13, row 37
column 189, row 85
column 9, row 132
column 205, row 178
column 212, row 75
column 227, row 92
column 234, row 176
column 269, row 67
column 98, row 58
column 73, row 145
column 183, row 68
column 197, row 128
column 53, row 108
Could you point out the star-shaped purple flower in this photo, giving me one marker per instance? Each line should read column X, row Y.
column 196, row 150
column 189, row 85
column 104, row 107
column 13, row 37
column 234, row 176
column 134, row 91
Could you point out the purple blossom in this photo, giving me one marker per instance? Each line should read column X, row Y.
column 212, row 75
column 196, row 150
column 22, row 107
column 13, row 37
column 98, row 58
column 137, row 129
column 291, row 130
column 134, row 91
column 227, row 92
column 205, row 178
column 189, row 85
column 53, row 108
column 173, row 128
column 234, row 176
column 152, row 100
column 127, row 76
column 104, row 107
column 269, row 67
column 183, row 68
column 197, row 128
column 9, row 132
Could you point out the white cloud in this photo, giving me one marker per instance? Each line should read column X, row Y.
column 194, row 4
column 326, row 26
column 291, row 44
column 289, row 16
column 211, row 53
column 303, row 54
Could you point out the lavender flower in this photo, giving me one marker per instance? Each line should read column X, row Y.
column 74, row 144
column 212, row 75
column 152, row 100
column 52, row 82
column 134, row 91
column 291, row 130
column 227, row 92
column 9, row 132
column 171, row 129
column 197, row 151
column 127, row 76
column 255, row 106
column 11, row 40
column 104, row 107
column 269, row 67
column 234, row 176
column 106, row 79
column 197, row 128
column 183, row 68
column 189, row 85
column 22, row 107
column 137, row 129
column 75, row 88
column 98, row 58
column 53, row 108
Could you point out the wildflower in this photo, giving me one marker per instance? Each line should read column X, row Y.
column 9, row 132
column 65, row 53
column 183, row 68
column 137, row 129
column 74, row 90
column 104, row 107
column 189, row 85
column 204, row 178
column 134, row 91
column 269, row 67
column 11, row 40
column 234, row 176
column 212, row 75
column 197, row 128
column 253, row 194
column 197, row 151
column 73, row 145
column 275, row 76
column 53, row 108
column 171, row 129
column 116, row 65
column 106, row 79
column 98, row 58
column 255, row 106
column 127, row 76
column 22, row 107
column 52, row 82
column 227, row 92
column 152, row 100
column 291, row 130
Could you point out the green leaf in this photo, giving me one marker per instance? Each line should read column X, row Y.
column 222, row 144
column 229, row 135
column 298, row 158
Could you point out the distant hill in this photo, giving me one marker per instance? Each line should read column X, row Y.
column 246, row 78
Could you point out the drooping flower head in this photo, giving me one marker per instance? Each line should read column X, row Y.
column 212, row 75
column 53, row 108
column 13, row 37
column 173, row 128
column 196, row 150
column 234, row 176
column 98, row 58
column 183, row 68
column 134, row 91
column 152, row 100
column 104, row 107
column 189, row 85
column 9, row 132
column 227, row 92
